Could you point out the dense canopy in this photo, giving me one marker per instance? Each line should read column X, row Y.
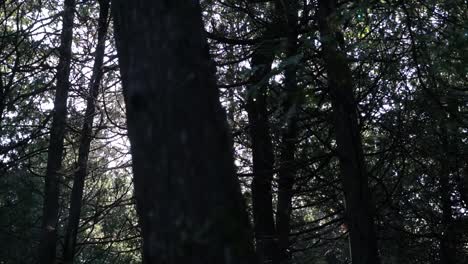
column 234, row 131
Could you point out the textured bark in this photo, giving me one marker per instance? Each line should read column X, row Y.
column 86, row 137
column 48, row 240
column 359, row 218
column 287, row 172
column 188, row 198
column 262, row 154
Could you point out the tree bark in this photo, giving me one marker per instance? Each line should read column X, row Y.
column 188, row 198
column 363, row 242
column 48, row 239
column 86, row 136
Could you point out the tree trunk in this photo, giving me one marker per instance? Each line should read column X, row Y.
column 448, row 251
column 448, row 162
column 86, row 136
column 330, row 258
column 463, row 185
column 262, row 153
column 286, row 180
column 363, row 242
column 48, row 240
column 287, row 172
column 188, row 198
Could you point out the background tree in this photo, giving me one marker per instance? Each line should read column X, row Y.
column 86, row 137
column 48, row 242
column 358, row 210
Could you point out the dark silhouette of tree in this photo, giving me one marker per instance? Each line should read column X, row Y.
column 86, row 137
column 289, row 136
column 262, row 152
column 367, row 96
column 188, row 200
column 354, row 174
column 48, row 242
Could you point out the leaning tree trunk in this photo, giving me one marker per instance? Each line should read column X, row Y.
column 86, row 136
column 48, row 239
column 262, row 153
column 188, row 197
column 363, row 242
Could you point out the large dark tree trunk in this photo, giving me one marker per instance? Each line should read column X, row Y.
column 262, row 153
column 188, row 198
column 48, row 240
column 359, row 218
column 86, row 136
column 287, row 172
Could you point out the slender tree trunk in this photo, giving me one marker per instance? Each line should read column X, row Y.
column 463, row 185
column 86, row 137
column 188, row 198
column 447, row 240
column 448, row 165
column 48, row 240
column 287, row 172
column 262, row 154
column 363, row 242
column 286, row 180
column 3, row 92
